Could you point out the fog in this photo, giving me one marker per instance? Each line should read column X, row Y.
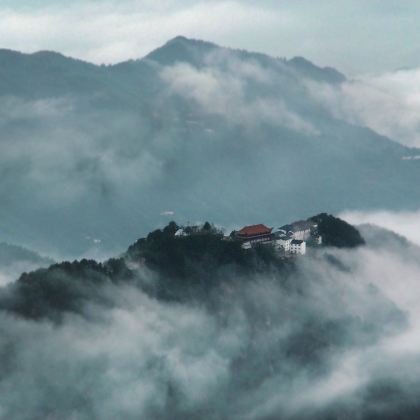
column 92, row 157
column 404, row 223
column 111, row 30
column 337, row 338
column 15, row 260
column 224, row 93
column 387, row 103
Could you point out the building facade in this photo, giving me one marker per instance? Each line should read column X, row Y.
column 254, row 234
column 284, row 242
column 298, row 247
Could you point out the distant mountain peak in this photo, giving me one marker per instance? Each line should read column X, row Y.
column 183, row 49
column 181, row 39
column 194, row 51
column 307, row 68
column 178, row 38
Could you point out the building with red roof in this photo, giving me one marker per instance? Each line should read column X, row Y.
column 255, row 233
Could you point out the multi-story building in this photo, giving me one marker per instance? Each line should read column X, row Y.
column 298, row 247
column 284, row 242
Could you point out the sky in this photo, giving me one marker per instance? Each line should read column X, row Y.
column 355, row 36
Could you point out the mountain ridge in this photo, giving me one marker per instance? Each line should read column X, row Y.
column 213, row 137
column 177, row 40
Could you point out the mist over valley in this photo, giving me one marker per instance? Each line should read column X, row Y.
column 206, row 232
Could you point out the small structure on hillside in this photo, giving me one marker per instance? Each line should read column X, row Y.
column 300, row 230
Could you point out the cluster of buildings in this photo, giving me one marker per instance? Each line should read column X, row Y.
column 289, row 240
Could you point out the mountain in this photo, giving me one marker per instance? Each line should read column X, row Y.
column 14, row 260
column 103, row 154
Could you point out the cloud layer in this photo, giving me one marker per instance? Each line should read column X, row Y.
column 388, row 103
column 338, row 337
column 224, row 93
column 406, row 224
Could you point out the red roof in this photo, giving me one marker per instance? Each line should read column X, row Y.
column 254, row 230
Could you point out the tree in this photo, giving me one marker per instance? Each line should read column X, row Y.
column 207, row 227
column 171, row 228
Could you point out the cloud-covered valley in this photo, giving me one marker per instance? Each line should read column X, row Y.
column 406, row 224
column 186, row 322
column 336, row 337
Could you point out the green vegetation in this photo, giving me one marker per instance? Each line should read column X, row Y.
column 182, row 266
column 336, row 232
column 64, row 287
column 198, row 259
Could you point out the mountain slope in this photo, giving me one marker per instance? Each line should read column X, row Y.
column 106, row 152
column 14, row 260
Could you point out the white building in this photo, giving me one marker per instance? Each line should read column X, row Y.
column 300, row 230
column 298, row 247
column 284, row 242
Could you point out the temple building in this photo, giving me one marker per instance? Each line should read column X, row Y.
column 254, row 234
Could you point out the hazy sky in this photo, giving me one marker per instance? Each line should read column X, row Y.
column 356, row 36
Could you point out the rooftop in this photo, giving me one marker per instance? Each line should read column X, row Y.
column 254, row 230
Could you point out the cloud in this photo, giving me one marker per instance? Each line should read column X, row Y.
column 323, row 342
column 110, row 31
column 58, row 153
column 388, row 104
column 406, row 223
column 167, row 213
column 224, row 93
column 16, row 260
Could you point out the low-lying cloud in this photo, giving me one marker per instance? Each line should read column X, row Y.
column 224, row 93
column 15, row 260
column 388, row 103
column 406, row 224
column 339, row 337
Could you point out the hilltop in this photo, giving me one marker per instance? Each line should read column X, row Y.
column 164, row 265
